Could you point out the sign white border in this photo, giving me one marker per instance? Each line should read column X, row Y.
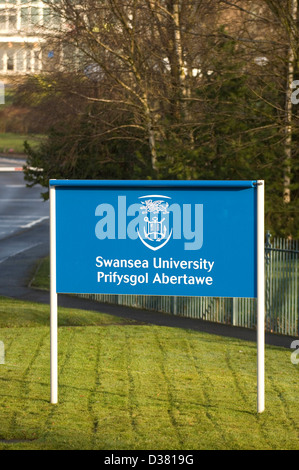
column 260, row 298
column 53, row 300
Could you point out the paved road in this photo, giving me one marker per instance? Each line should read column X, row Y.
column 24, row 239
column 20, row 207
column 24, row 229
column 9, row 162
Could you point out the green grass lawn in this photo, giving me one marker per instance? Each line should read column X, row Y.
column 41, row 274
column 129, row 386
column 14, row 143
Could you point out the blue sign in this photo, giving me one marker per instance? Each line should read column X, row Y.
column 180, row 238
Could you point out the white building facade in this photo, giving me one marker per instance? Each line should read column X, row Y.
column 23, row 49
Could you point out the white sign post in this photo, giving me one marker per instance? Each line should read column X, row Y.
column 53, row 299
column 260, row 297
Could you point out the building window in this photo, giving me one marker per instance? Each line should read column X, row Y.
column 51, row 19
column 36, row 55
column 10, row 62
column 8, row 19
column 34, row 16
column 28, row 61
column 20, row 65
column 30, row 16
column 12, row 18
column 1, row 60
column 2, row 20
column 24, row 17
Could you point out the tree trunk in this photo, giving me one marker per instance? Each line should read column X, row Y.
column 288, row 104
column 151, row 133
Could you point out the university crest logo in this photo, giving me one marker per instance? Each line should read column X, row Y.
column 154, row 232
column 154, row 220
